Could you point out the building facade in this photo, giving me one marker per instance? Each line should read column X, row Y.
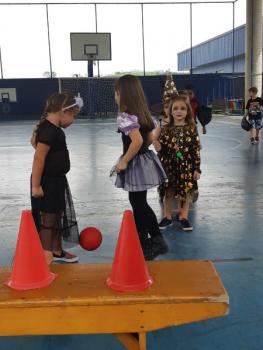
column 216, row 55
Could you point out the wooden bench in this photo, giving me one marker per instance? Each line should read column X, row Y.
column 79, row 302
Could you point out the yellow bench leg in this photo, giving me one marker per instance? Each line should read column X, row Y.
column 132, row 341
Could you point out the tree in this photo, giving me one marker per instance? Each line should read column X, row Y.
column 48, row 75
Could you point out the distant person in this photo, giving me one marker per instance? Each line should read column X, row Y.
column 52, row 206
column 139, row 168
column 169, row 92
column 201, row 113
column 193, row 101
column 253, row 112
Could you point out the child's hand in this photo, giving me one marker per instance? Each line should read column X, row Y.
column 157, row 146
column 37, row 192
column 122, row 165
column 196, row 175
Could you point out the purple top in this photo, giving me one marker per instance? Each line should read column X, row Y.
column 127, row 122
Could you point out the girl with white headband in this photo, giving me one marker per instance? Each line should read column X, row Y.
column 52, row 206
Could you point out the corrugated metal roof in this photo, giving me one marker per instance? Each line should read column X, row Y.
column 216, row 49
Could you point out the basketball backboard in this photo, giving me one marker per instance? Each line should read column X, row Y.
column 90, row 46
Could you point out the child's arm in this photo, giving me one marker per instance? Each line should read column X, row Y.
column 196, row 154
column 156, row 133
column 136, row 143
column 247, row 109
column 37, row 168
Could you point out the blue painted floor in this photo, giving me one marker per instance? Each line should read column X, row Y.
column 227, row 222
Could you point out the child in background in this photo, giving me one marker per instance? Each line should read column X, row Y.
column 179, row 150
column 254, row 108
column 193, row 101
column 52, row 206
column 169, row 92
column 138, row 168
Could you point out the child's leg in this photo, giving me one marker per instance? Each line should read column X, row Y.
column 146, row 222
column 57, row 236
column 168, row 203
column 48, row 222
column 253, row 133
column 179, row 207
column 144, row 216
column 185, row 208
column 183, row 218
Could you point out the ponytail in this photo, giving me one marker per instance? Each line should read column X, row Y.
column 35, row 128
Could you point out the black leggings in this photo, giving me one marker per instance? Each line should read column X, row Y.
column 144, row 216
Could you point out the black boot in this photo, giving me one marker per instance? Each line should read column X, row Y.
column 158, row 246
column 146, row 245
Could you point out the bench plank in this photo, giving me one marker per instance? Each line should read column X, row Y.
column 79, row 301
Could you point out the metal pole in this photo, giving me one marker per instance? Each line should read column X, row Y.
column 96, row 26
column 257, row 45
column 1, row 65
column 49, row 47
column 233, row 40
column 253, row 57
column 143, row 47
column 191, row 38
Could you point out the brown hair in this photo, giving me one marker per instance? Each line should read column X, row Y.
column 133, row 100
column 253, row 89
column 189, row 120
column 54, row 103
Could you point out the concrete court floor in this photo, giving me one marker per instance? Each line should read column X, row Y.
column 227, row 222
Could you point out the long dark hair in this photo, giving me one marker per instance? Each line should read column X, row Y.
column 133, row 100
column 189, row 120
column 54, row 103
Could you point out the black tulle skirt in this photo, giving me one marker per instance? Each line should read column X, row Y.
column 57, row 200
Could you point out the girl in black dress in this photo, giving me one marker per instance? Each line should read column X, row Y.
column 51, row 201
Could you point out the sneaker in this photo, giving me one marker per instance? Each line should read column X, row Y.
column 252, row 140
column 256, row 139
column 158, row 246
column 165, row 223
column 65, row 257
column 186, row 226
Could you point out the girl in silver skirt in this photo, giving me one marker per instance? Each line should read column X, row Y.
column 139, row 168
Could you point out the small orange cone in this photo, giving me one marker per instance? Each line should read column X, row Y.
column 129, row 271
column 30, row 269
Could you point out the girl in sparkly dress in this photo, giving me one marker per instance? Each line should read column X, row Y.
column 179, row 152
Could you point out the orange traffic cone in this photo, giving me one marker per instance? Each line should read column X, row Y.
column 30, row 269
column 129, row 271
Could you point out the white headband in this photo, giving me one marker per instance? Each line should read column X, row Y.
column 78, row 102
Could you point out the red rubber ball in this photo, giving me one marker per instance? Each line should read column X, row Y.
column 90, row 238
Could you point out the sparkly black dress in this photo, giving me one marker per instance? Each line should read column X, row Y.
column 180, row 157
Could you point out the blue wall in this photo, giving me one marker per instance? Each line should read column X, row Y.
column 98, row 93
column 31, row 96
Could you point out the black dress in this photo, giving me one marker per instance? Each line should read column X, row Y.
column 57, row 197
